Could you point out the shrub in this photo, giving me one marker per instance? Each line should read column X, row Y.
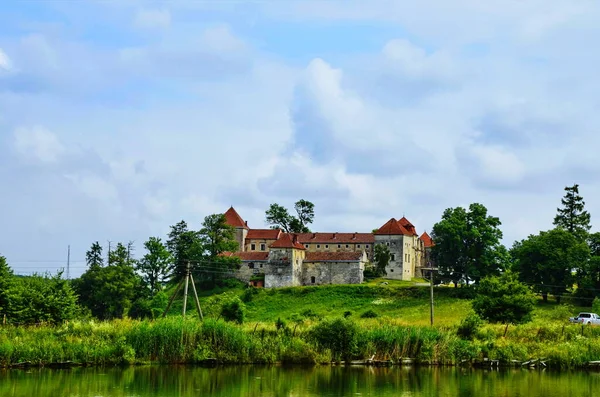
column 347, row 313
column 469, row 326
column 339, row 335
column 596, row 305
column 369, row 314
column 310, row 313
column 280, row 324
column 234, row 310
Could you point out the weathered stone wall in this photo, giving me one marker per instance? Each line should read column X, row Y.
column 332, row 272
column 240, row 237
column 285, row 268
column 246, row 271
column 257, row 244
column 395, row 268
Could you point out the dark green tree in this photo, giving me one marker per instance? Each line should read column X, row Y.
column 155, row 266
column 6, row 282
column 546, row 261
column 94, row 256
column 467, row 244
column 42, row 298
column 588, row 272
column 382, row 257
column 572, row 216
column 110, row 291
column 504, row 299
column 216, row 238
column 279, row 217
column 184, row 245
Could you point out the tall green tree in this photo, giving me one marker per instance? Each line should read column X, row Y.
column 382, row 257
column 93, row 256
column 546, row 261
column 184, row 245
column 588, row 272
column 155, row 266
column 467, row 244
column 6, row 282
column 279, row 217
column 504, row 299
column 216, row 237
column 109, row 291
column 572, row 216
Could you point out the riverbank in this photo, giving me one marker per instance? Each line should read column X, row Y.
column 174, row 340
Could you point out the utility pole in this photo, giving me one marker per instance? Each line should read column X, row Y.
column 108, row 258
column 432, row 271
column 68, row 260
column 188, row 277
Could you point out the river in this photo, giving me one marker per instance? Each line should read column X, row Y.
column 247, row 381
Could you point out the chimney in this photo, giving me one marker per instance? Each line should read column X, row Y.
column 334, row 235
column 314, row 235
column 246, row 223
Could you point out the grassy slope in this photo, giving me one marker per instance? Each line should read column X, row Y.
column 401, row 301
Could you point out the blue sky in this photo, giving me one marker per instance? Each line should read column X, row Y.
column 120, row 118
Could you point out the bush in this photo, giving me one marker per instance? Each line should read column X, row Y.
column 279, row 324
column 249, row 294
column 339, row 335
column 469, row 326
column 310, row 313
column 347, row 313
column 596, row 305
column 234, row 310
column 369, row 314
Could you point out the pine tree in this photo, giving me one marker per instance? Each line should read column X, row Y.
column 572, row 216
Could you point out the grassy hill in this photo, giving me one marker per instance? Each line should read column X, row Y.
column 404, row 302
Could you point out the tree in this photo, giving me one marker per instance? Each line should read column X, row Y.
column 546, row 261
column 382, row 257
column 184, row 245
column 279, row 218
column 42, row 298
column 467, row 244
column 155, row 266
column 572, row 216
column 110, row 291
column 588, row 272
column 216, row 237
column 6, row 282
column 504, row 299
column 94, row 255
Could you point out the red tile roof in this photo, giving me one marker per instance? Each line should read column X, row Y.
column 336, row 238
column 408, row 226
column 232, row 218
column 263, row 234
column 287, row 241
column 249, row 256
column 333, row 256
column 393, row 227
column 426, row 239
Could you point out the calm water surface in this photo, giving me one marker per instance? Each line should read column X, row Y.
column 277, row 381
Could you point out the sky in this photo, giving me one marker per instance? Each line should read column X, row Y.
column 121, row 118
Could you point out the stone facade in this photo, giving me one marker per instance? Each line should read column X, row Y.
column 286, row 259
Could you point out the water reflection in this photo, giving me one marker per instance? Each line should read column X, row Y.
column 280, row 381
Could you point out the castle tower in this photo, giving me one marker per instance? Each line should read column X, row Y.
column 233, row 219
column 286, row 257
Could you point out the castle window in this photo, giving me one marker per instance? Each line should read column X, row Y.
column 339, row 245
column 263, row 247
column 392, row 270
column 367, row 246
column 306, row 245
column 388, row 244
column 261, row 265
column 326, row 245
column 251, row 265
column 318, row 245
column 347, row 246
column 358, row 246
column 312, row 280
column 252, row 247
column 393, row 257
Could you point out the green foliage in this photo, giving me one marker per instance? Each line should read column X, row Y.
column 347, row 313
column 369, row 314
column 94, row 256
column 234, row 310
column 42, row 298
column 184, row 245
column 155, row 266
column 110, row 291
column 280, row 324
column 588, row 273
column 6, row 282
column 467, row 244
column 382, row 257
column 573, row 217
column 596, row 305
column 469, row 326
column 278, row 217
column 504, row 299
column 339, row 335
column 546, row 261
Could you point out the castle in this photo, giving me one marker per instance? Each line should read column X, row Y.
column 273, row 258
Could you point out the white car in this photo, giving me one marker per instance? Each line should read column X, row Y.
column 586, row 318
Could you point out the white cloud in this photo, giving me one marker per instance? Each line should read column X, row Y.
column 38, row 143
column 5, row 62
column 152, row 18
